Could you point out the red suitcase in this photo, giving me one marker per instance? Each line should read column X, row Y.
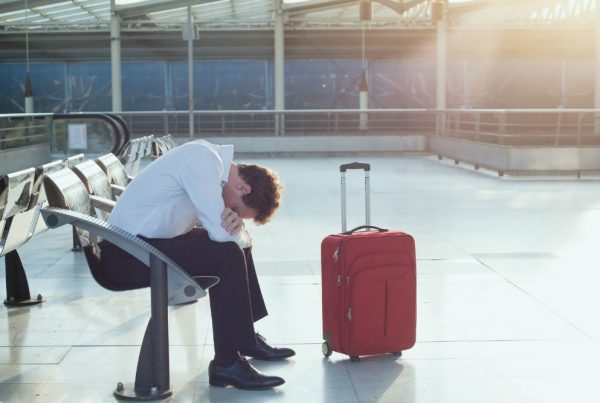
column 368, row 286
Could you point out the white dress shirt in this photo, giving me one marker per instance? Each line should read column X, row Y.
column 179, row 190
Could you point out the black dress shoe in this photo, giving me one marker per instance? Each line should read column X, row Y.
column 242, row 375
column 265, row 352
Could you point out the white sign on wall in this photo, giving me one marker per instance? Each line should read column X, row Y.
column 77, row 136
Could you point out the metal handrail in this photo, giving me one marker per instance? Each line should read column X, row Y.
column 35, row 132
column 511, row 127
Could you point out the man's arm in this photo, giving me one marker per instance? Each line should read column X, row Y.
column 200, row 176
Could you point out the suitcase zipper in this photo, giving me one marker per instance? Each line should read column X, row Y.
column 385, row 310
column 336, row 258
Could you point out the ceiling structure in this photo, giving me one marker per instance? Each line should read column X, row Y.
column 80, row 30
column 152, row 15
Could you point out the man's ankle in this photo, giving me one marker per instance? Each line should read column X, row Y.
column 226, row 360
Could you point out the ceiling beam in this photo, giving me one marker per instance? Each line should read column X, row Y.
column 401, row 7
column 314, row 5
column 142, row 9
column 16, row 5
column 491, row 6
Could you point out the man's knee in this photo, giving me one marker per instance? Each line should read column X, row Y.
column 234, row 256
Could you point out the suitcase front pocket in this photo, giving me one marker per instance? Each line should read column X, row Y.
column 381, row 311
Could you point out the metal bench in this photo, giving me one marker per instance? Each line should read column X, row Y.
column 74, row 160
column 15, row 198
column 115, row 171
column 159, row 147
column 170, row 284
column 168, row 139
column 97, row 186
column 134, row 152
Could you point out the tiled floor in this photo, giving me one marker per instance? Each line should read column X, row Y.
column 507, row 300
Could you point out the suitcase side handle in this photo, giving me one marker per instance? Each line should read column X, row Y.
column 355, row 165
column 369, row 227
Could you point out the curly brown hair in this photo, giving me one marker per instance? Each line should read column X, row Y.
column 265, row 191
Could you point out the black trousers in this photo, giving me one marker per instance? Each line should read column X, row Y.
column 236, row 302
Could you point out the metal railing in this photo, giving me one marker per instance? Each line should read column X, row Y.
column 507, row 127
column 103, row 132
column 523, row 127
column 510, row 127
column 281, row 123
column 23, row 130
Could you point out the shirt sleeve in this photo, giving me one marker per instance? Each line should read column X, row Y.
column 200, row 176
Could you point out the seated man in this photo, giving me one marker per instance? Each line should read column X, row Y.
column 198, row 184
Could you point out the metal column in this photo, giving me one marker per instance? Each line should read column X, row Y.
column 439, row 17
column 190, row 46
column 115, row 58
column 597, row 78
column 279, row 77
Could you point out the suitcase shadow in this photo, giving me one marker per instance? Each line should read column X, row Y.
column 373, row 376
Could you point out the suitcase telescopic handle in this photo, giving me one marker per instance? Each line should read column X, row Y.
column 356, row 165
column 367, row 227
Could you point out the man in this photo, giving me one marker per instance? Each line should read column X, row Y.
column 198, row 184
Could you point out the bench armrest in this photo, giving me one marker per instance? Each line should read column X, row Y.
column 103, row 203
column 117, row 190
column 182, row 288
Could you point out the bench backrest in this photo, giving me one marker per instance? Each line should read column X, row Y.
column 132, row 155
column 148, row 151
column 15, row 192
column 38, row 193
column 74, row 160
column 29, row 222
column 168, row 140
column 94, row 179
column 15, row 197
column 113, row 168
column 159, row 147
column 65, row 190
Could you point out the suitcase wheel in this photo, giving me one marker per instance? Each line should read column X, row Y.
column 397, row 353
column 325, row 349
column 354, row 358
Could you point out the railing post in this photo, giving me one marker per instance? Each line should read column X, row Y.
column 501, row 127
column 336, row 121
column 440, row 122
column 279, row 123
column 580, row 116
column 557, row 131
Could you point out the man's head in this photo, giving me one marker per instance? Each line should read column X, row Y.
column 252, row 191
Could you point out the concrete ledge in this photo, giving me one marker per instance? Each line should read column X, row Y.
column 324, row 145
column 518, row 160
column 16, row 159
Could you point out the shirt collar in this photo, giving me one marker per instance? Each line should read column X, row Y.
column 226, row 153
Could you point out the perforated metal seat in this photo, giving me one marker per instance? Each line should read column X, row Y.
column 15, row 199
column 114, row 170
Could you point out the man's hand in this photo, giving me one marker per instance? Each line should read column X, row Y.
column 231, row 221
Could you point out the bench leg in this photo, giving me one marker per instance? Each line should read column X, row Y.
column 152, row 377
column 17, row 287
column 76, row 242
